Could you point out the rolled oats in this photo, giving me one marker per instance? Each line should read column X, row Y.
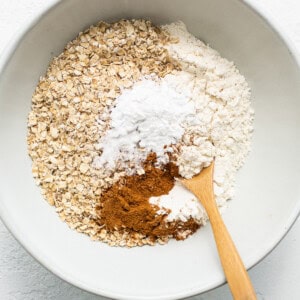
column 64, row 124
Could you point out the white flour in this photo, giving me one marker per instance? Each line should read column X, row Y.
column 203, row 109
column 224, row 123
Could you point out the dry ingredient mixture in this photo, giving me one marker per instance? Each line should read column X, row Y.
column 126, row 109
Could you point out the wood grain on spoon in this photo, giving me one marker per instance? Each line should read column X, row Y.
column 237, row 277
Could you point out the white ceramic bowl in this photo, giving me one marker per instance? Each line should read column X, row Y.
column 268, row 197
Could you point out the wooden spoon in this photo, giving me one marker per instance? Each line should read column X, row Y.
column 237, row 277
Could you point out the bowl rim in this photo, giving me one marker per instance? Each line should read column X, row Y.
column 5, row 57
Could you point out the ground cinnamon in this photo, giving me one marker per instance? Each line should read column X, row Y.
column 125, row 206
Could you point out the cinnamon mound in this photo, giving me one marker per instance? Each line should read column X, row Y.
column 125, row 206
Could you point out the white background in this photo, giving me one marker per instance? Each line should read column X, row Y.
column 277, row 277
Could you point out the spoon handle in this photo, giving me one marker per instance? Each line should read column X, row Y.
column 236, row 274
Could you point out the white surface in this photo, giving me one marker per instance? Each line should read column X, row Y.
column 22, row 278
